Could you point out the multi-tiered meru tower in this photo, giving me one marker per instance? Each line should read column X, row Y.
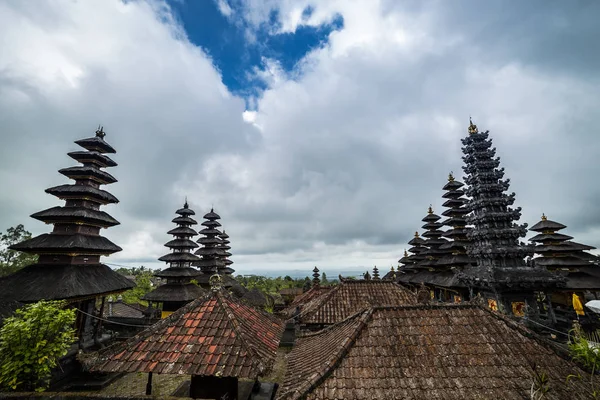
column 69, row 257
column 225, row 269
column 565, row 257
column 179, row 288
column 501, row 274
column 211, row 253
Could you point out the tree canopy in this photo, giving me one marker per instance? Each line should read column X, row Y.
column 31, row 343
column 11, row 260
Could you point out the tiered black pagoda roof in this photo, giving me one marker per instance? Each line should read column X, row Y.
column 411, row 262
column 179, row 288
column 225, row 269
column 456, row 249
column 434, row 239
column 211, row 253
column 559, row 253
column 69, row 258
column 495, row 236
column 375, row 272
column 316, row 277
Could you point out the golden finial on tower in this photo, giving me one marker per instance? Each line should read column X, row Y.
column 544, row 218
column 472, row 127
column 416, row 234
column 430, row 210
column 451, row 176
column 405, row 253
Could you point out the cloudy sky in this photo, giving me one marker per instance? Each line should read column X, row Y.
column 320, row 130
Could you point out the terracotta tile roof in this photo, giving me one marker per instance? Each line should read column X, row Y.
column 310, row 294
column 425, row 352
column 351, row 296
column 305, row 298
column 213, row 335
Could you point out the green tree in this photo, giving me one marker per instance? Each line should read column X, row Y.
column 324, row 279
column 11, row 260
column 143, row 285
column 32, row 341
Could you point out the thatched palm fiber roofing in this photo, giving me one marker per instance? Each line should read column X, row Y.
column 62, row 281
column 211, row 336
column 175, row 292
column 426, row 352
column 351, row 296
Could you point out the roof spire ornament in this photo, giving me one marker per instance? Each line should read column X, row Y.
column 216, row 282
column 416, row 234
column 472, row 127
column 451, row 176
column 544, row 218
column 185, row 204
column 430, row 210
column 100, row 132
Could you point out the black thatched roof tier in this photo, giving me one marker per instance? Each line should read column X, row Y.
column 209, row 231
column 185, row 211
column 179, row 257
column 184, row 221
column 562, row 261
column 210, row 251
column 175, row 293
column 453, row 194
column 75, row 215
column 452, row 184
column 88, row 172
column 213, row 240
column 417, row 240
column 96, row 144
column 550, row 237
column 56, row 281
column 178, row 272
column 182, row 231
column 68, row 192
column 432, row 226
column 211, row 224
column 92, row 157
column 73, row 244
column 181, row 244
column 547, row 225
column 208, row 263
column 211, row 215
column 566, row 246
column 431, row 217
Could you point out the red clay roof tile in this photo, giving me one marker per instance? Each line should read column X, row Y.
column 214, row 333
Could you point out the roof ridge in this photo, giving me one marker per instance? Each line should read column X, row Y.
column 238, row 331
column 89, row 359
column 319, row 301
column 319, row 376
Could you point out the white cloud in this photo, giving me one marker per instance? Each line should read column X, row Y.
column 335, row 163
column 67, row 66
column 224, row 8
